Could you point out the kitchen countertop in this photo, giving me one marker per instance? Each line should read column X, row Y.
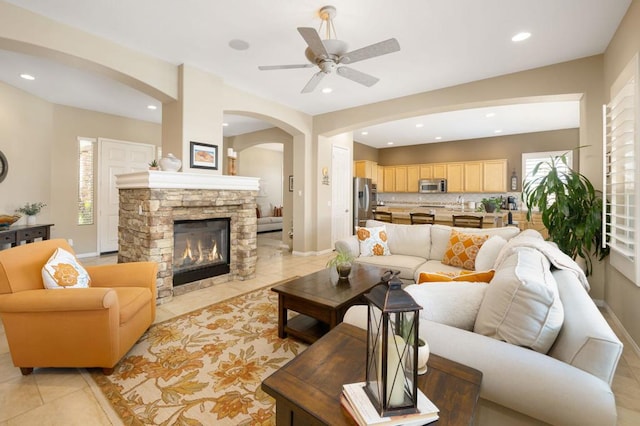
column 443, row 214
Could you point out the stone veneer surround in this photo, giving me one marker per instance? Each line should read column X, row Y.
column 151, row 201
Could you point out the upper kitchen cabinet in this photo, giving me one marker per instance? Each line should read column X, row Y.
column 426, row 171
column 366, row 169
column 495, row 176
column 473, row 176
column 439, row 170
column 455, row 177
column 401, row 179
column 389, row 179
column 413, row 176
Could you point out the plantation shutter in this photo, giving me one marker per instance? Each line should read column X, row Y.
column 621, row 189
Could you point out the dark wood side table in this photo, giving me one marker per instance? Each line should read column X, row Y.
column 321, row 300
column 307, row 389
column 14, row 235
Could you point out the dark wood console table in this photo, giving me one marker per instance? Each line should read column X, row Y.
column 14, row 235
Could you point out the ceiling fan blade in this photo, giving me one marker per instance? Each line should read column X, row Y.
column 284, row 67
column 310, row 35
column 313, row 83
column 357, row 76
column 371, row 51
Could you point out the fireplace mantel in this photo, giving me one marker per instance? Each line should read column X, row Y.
column 177, row 180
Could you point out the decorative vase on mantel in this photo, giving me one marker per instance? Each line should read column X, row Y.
column 170, row 163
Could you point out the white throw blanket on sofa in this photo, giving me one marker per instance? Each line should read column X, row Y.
column 533, row 239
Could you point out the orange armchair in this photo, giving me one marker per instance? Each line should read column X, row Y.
column 73, row 327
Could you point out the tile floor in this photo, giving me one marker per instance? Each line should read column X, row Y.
column 68, row 396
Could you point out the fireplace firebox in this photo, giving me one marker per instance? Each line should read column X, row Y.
column 201, row 249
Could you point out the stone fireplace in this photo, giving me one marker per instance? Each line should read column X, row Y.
column 154, row 203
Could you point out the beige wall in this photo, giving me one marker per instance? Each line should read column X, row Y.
column 621, row 295
column 364, row 152
column 40, row 140
column 26, row 139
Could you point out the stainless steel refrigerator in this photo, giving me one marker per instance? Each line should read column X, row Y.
column 364, row 201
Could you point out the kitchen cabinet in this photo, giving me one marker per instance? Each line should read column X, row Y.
column 380, row 181
column 455, row 177
column 366, row 169
column 401, row 179
column 473, row 176
column 426, row 171
column 494, row 176
column 439, row 170
column 389, row 179
column 413, row 176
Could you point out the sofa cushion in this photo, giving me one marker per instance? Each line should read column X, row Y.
column 412, row 240
column 488, row 253
column 407, row 265
column 440, row 236
column 62, row 270
column 522, row 305
column 463, row 249
column 455, row 304
column 373, row 241
column 266, row 209
column 468, row 276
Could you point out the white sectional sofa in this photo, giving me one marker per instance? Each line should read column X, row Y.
column 565, row 381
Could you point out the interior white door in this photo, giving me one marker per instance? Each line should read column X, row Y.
column 341, row 188
column 116, row 157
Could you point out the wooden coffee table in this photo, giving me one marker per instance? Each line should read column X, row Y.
column 307, row 389
column 321, row 300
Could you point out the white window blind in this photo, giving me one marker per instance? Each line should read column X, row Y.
column 621, row 154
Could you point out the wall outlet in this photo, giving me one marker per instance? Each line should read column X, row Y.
column 70, row 241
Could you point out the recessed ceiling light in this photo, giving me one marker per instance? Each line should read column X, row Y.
column 327, row 90
column 521, row 36
column 438, row 138
column 237, row 44
column 419, row 125
column 27, row 76
column 490, row 114
column 152, row 107
column 497, row 131
column 225, row 124
column 364, row 133
column 389, row 143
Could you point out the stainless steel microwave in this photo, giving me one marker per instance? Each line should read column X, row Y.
column 432, row 185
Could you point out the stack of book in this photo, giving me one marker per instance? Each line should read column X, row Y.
column 356, row 402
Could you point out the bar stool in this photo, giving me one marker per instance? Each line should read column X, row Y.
column 468, row 221
column 383, row 216
column 422, row 218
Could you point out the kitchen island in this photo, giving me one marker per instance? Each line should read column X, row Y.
column 443, row 215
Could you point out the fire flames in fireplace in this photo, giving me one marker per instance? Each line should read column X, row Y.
column 201, row 249
column 200, row 254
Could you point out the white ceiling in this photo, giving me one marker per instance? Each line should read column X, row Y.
column 443, row 43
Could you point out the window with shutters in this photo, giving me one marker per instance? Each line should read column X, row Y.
column 621, row 149
column 531, row 159
column 85, row 181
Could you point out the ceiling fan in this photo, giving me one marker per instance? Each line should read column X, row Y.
column 329, row 54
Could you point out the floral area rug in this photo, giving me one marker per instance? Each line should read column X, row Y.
column 204, row 367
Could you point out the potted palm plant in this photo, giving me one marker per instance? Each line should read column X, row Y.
column 570, row 207
column 342, row 262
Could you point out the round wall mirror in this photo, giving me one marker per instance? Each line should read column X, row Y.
column 4, row 166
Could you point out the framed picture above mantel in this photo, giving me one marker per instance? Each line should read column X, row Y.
column 204, row 156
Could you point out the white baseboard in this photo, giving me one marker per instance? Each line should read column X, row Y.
column 634, row 346
column 82, row 255
column 311, row 253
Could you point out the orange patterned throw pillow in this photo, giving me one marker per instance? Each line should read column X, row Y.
column 463, row 249
column 373, row 241
column 468, row 276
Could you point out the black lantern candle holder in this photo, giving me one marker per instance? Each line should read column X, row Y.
column 392, row 349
